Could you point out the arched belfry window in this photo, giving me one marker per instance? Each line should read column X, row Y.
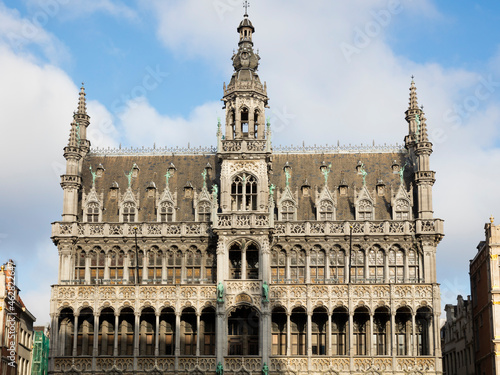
column 244, row 193
column 256, row 123
column 244, row 122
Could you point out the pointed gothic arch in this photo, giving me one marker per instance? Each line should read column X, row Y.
column 244, row 192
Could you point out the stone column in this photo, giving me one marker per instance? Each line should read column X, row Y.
column 157, row 334
column 136, row 333
column 107, row 261
column 308, row 269
column 244, row 263
column 237, row 123
column 329, row 334
column 351, row 339
column 56, row 345
column 393, row 336
column 266, row 333
column 288, row 335
column 117, row 327
column 177, row 333
column 145, row 263
column 87, row 269
column 220, row 337
column 370, row 347
column 347, row 270
column 95, row 350
column 413, row 349
column 309, row 334
column 75, row 335
column 198, row 315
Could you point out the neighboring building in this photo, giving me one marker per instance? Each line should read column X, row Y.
column 16, row 326
column 485, row 293
column 246, row 257
column 457, row 339
column 40, row 359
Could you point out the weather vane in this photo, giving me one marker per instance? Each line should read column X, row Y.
column 246, row 5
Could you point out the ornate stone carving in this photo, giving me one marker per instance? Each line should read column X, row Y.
column 66, row 292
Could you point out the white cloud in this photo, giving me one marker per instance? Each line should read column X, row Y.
column 21, row 34
column 143, row 125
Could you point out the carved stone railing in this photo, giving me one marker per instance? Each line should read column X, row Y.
column 153, row 294
column 389, row 227
column 339, row 149
column 239, row 145
column 249, row 364
column 155, row 229
column 339, row 364
column 242, row 220
column 371, row 295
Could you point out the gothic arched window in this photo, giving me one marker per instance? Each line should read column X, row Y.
column 376, row 265
column 287, row 211
column 278, row 265
column 357, row 265
column 317, row 266
column 337, row 264
column 244, row 193
column 128, row 212
column 204, row 211
column 365, row 210
column 402, row 210
column 93, row 212
column 396, row 265
column 166, row 212
column 326, row 210
column 413, row 271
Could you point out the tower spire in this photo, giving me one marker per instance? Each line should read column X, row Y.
column 413, row 95
column 82, row 104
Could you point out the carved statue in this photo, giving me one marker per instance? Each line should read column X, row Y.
column 287, row 177
column 94, row 175
column 167, row 176
column 204, row 175
column 326, row 171
column 220, row 292
column 402, row 172
column 271, row 190
column 417, row 120
column 265, row 369
column 265, row 291
column 363, row 173
column 220, row 369
column 215, row 191
column 129, row 176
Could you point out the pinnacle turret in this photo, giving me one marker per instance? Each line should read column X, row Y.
column 413, row 96
column 424, row 137
column 82, row 104
column 74, row 140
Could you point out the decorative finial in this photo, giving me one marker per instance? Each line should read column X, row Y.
column 246, row 4
column 364, row 173
column 412, row 76
column 492, row 219
column 94, row 175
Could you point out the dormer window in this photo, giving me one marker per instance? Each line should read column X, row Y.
column 92, row 212
column 204, row 211
column 244, row 193
column 402, row 210
column 365, row 210
column 129, row 212
column 287, row 211
column 326, row 210
column 166, row 212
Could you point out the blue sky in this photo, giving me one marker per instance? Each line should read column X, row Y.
column 180, row 51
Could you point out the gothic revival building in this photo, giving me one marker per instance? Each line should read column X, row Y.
column 246, row 258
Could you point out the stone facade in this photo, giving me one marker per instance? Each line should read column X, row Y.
column 247, row 259
column 457, row 339
column 485, row 293
column 16, row 326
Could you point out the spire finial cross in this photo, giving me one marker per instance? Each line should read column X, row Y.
column 246, row 4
